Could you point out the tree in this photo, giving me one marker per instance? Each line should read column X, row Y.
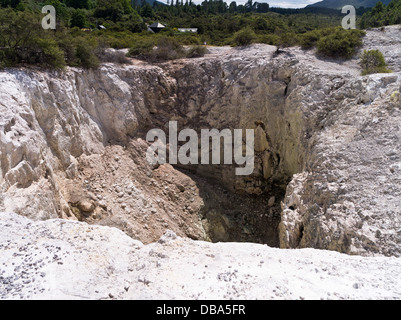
column 147, row 11
column 22, row 39
column 109, row 10
column 260, row 24
column 250, row 6
column 233, row 7
column 262, row 7
column 78, row 19
column 381, row 15
column 241, row 8
column 63, row 13
column 126, row 5
column 134, row 22
column 244, row 37
column 9, row 3
column 378, row 8
column 14, row 31
column 77, row 4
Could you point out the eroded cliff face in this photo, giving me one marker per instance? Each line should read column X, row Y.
column 72, row 146
column 346, row 197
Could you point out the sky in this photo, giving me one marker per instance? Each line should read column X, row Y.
column 274, row 3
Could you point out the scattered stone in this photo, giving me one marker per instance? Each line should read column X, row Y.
column 86, row 206
column 271, row 201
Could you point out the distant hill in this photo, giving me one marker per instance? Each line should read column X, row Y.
column 151, row 2
column 336, row 4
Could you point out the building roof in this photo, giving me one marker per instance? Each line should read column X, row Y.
column 187, row 29
column 156, row 25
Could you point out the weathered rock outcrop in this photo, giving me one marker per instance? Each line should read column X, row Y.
column 345, row 199
column 71, row 146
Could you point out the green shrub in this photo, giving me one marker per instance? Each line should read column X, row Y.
column 244, row 37
column 187, row 38
column 340, row 43
column 260, row 24
column 309, row 39
column 372, row 61
column 133, row 22
column 79, row 48
column 66, row 43
column 110, row 55
column 51, row 54
column 6, row 57
column 78, row 19
column 288, row 39
column 271, row 39
column 3, row 60
column 85, row 53
column 142, row 48
column 118, row 40
column 196, row 51
column 167, row 48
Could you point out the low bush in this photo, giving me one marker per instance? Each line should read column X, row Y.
column 142, row 48
column 244, row 37
column 85, row 54
column 196, row 51
column 309, row 39
column 6, row 59
column 372, row 61
column 271, row 39
column 111, row 55
column 188, row 38
column 51, row 54
column 340, row 43
column 167, row 48
column 117, row 40
column 288, row 39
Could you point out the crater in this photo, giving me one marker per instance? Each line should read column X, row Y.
column 228, row 216
column 203, row 201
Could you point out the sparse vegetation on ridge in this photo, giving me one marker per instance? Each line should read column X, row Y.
column 340, row 43
column 77, row 40
column 165, row 49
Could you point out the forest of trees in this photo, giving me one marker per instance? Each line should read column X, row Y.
column 78, row 40
column 88, row 13
column 382, row 15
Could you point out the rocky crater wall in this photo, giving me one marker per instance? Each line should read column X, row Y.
column 72, row 146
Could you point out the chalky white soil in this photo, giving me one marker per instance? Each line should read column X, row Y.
column 58, row 259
